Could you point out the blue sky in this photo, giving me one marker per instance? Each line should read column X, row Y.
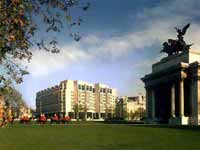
column 121, row 40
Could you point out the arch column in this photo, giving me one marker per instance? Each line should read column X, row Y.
column 153, row 104
column 147, row 102
column 150, row 105
column 181, row 98
column 180, row 119
column 173, row 100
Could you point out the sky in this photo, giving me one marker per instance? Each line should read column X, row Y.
column 121, row 39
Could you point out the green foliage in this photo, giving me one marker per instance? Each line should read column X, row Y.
column 13, row 98
column 121, row 110
column 12, row 101
column 75, row 108
column 18, row 27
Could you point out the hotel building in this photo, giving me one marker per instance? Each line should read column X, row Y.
column 72, row 96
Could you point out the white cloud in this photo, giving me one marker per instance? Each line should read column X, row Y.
column 44, row 63
column 91, row 40
column 92, row 48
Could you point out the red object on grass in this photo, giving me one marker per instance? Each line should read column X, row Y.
column 55, row 118
column 24, row 119
column 43, row 118
column 66, row 118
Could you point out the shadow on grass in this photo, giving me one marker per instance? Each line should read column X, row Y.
column 142, row 124
column 177, row 127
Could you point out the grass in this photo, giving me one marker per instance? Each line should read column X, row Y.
column 98, row 137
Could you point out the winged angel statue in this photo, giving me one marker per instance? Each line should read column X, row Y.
column 175, row 46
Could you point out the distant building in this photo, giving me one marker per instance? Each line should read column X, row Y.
column 91, row 100
column 127, row 107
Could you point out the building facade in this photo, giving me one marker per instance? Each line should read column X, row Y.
column 130, row 107
column 135, row 107
column 71, row 97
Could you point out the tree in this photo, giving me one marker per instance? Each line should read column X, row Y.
column 131, row 115
column 85, row 109
column 77, row 108
column 13, row 100
column 121, row 110
column 125, row 114
column 138, row 114
column 20, row 20
column 108, row 112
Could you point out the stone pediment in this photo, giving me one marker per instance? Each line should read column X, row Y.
column 185, row 57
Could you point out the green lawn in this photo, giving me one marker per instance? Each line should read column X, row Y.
column 97, row 137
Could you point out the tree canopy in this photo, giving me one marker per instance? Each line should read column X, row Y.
column 12, row 100
column 18, row 25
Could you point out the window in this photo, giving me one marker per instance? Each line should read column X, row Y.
column 64, row 85
column 93, row 90
column 101, row 90
column 104, row 90
column 87, row 88
column 79, row 86
column 90, row 88
column 83, row 87
column 111, row 91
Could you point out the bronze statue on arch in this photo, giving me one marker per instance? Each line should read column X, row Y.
column 172, row 46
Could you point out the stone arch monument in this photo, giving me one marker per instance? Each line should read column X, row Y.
column 173, row 87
